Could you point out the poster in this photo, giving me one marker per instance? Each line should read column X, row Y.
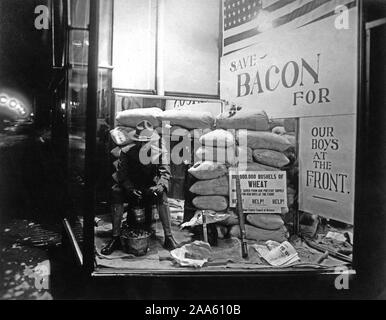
column 261, row 191
column 309, row 71
column 327, row 166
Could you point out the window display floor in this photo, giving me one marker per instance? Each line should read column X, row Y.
column 226, row 256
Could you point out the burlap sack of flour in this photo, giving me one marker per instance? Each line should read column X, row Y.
column 266, row 221
column 218, row 138
column 198, row 133
column 216, row 203
column 188, row 119
column 222, row 155
column 218, row 186
column 243, row 119
column 291, row 138
column 131, row 117
column 205, row 170
column 173, row 132
column 120, row 135
column 276, row 123
column 264, row 140
column 261, row 235
column 254, row 166
column 270, row 158
column 278, row 130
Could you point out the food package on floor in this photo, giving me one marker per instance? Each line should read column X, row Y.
column 222, row 155
column 254, row 166
column 245, row 154
column 188, row 119
column 194, row 254
column 266, row 221
column 131, row 117
column 264, row 140
column 218, row 138
column 215, row 203
column 243, row 119
column 121, row 135
column 205, row 170
column 261, row 235
column 278, row 130
column 218, row 186
column 210, row 216
column 270, row 158
column 289, row 125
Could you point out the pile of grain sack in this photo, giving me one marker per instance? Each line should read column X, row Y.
column 258, row 143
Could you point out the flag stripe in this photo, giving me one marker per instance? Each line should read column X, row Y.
column 278, row 5
column 322, row 12
column 303, row 10
column 349, row 6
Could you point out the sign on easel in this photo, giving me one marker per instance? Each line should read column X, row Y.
column 327, row 166
column 261, row 191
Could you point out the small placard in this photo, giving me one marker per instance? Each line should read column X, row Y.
column 261, row 191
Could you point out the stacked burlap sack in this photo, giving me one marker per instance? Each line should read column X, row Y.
column 286, row 129
column 246, row 136
column 256, row 142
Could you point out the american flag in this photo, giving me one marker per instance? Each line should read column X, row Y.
column 244, row 21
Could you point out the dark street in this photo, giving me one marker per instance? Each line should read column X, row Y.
column 30, row 227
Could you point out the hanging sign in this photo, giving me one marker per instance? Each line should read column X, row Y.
column 309, row 71
column 327, row 166
column 261, row 191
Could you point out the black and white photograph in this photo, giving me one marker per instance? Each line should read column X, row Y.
column 192, row 154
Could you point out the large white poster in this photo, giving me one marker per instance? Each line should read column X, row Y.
column 309, row 71
column 327, row 166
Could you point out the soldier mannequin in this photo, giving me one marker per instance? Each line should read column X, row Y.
column 139, row 182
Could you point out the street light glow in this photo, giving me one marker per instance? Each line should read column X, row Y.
column 3, row 99
column 13, row 104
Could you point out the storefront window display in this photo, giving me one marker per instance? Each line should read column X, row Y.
column 243, row 163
